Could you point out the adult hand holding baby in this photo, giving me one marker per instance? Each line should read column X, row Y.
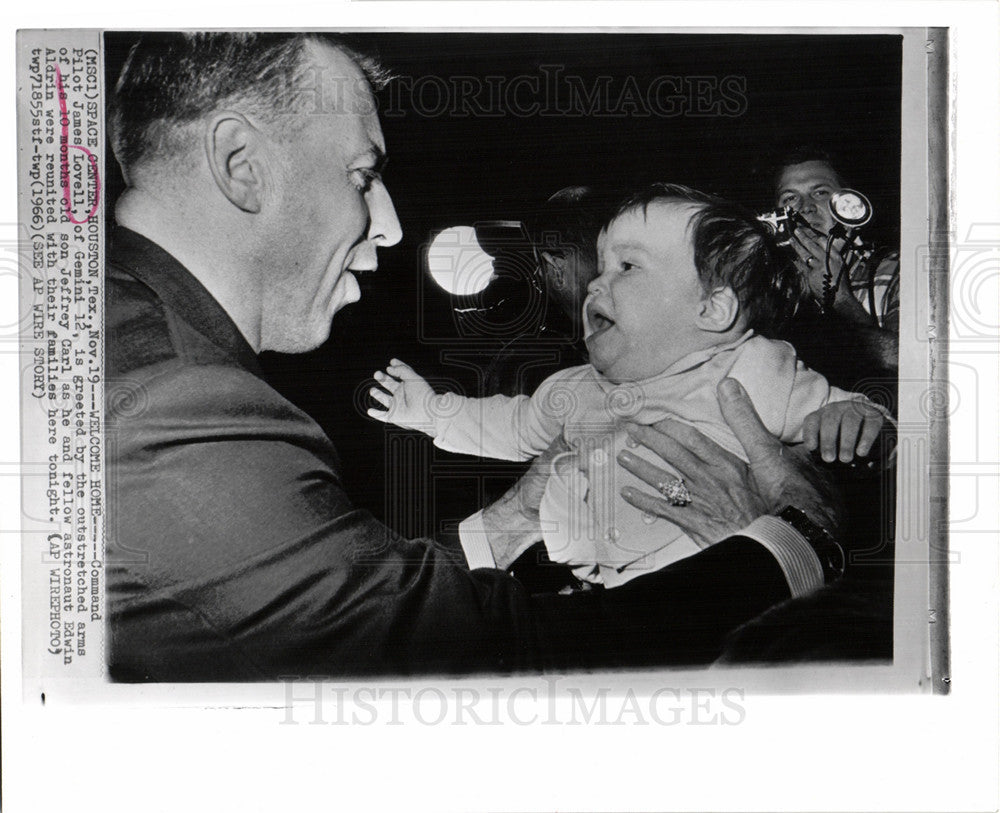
column 726, row 493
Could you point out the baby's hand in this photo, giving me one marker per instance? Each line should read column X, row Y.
column 847, row 427
column 409, row 401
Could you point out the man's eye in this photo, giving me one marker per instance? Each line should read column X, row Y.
column 365, row 178
column 788, row 200
column 625, row 266
column 822, row 193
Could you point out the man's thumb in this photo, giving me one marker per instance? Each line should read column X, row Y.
column 742, row 417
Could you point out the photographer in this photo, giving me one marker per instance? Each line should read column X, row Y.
column 854, row 314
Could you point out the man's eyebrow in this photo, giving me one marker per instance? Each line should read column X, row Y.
column 792, row 189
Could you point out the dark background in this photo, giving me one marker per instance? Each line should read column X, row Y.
column 841, row 93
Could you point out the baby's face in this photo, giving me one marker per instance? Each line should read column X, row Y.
column 640, row 314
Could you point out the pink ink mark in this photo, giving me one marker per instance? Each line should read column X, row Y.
column 64, row 148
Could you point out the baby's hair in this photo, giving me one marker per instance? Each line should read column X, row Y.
column 731, row 248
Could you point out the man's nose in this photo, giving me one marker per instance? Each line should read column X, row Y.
column 384, row 229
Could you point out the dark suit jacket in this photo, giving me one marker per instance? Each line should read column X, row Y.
column 234, row 553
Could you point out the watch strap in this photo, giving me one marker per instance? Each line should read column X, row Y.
column 828, row 550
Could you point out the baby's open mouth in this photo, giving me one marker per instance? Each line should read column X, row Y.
column 598, row 320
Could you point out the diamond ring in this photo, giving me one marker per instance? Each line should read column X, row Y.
column 675, row 491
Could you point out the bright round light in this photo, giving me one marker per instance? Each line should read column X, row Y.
column 458, row 263
column 850, row 208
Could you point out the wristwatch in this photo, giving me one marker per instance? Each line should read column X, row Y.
column 830, row 553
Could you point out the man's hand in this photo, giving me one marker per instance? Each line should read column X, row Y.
column 845, row 427
column 811, row 259
column 408, row 399
column 512, row 523
column 726, row 493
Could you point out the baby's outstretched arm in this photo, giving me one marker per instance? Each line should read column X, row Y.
column 843, row 429
column 408, row 399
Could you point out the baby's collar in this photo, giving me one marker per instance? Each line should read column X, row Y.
column 683, row 364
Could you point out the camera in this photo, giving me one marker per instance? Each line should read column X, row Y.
column 850, row 210
column 780, row 223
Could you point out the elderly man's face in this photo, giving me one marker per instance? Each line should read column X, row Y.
column 567, row 277
column 330, row 210
column 807, row 188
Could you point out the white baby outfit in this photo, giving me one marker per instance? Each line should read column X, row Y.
column 585, row 521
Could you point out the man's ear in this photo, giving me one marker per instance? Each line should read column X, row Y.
column 234, row 147
column 719, row 310
column 556, row 264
